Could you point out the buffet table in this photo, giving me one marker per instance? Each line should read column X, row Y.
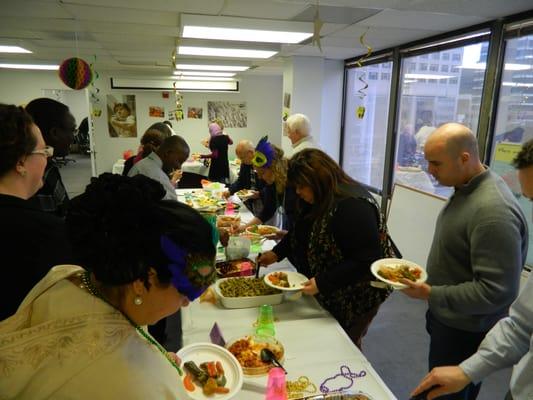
column 315, row 344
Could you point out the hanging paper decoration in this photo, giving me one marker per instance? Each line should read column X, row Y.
column 360, row 111
column 178, row 112
column 94, row 92
column 75, row 73
column 317, row 26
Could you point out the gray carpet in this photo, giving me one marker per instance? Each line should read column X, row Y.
column 397, row 347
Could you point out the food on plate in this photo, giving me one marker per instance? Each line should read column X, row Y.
column 245, row 287
column 395, row 272
column 262, row 230
column 241, row 267
column 247, row 351
column 279, row 279
column 228, row 221
column 204, row 201
column 209, row 376
column 244, row 193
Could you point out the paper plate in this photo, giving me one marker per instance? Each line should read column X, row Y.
column 390, row 262
column 295, row 281
column 202, row 352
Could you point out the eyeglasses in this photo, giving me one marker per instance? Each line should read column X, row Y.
column 48, row 151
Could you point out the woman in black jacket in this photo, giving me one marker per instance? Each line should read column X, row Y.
column 218, row 144
column 335, row 239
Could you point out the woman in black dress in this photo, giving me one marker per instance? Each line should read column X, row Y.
column 218, row 144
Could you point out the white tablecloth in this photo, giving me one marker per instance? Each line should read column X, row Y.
column 315, row 344
column 196, row 167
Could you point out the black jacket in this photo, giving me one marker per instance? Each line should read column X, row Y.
column 31, row 242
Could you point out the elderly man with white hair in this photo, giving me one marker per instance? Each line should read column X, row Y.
column 299, row 132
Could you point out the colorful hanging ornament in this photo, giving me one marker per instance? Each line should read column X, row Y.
column 75, row 73
column 360, row 111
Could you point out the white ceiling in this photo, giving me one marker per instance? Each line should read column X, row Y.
column 139, row 36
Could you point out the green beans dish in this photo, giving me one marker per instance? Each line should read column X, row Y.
column 246, row 287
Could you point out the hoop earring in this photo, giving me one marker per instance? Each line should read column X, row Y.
column 137, row 300
column 23, row 173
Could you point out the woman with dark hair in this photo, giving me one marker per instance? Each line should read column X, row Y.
column 143, row 258
column 31, row 241
column 334, row 240
column 278, row 198
column 218, row 144
column 150, row 141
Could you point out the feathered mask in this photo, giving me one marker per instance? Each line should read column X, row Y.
column 188, row 277
column 264, row 153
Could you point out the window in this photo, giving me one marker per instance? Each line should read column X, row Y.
column 373, row 76
column 445, row 56
column 423, row 67
column 411, row 67
column 514, row 119
column 385, row 76
column 424, row 56
column 363, row 153
column 456, row 57
column 387, row 65
column 455, row 68
column 423, row 107
column 435, row 56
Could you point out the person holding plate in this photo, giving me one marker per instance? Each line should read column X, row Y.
column 81, row 331
column 478, row 251
column 335, row 239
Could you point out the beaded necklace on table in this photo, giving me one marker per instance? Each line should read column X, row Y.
column 86, row 280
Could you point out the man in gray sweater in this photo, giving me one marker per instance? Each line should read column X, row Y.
column 478, row 251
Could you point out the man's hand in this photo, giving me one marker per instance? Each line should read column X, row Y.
column 176, row 176
column 267, row 258
column 310, row 288
column 226, row 194
column 416, row 290
column 446, row 380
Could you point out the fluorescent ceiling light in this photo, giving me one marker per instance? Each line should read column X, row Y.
column 13, row 49
column 427, row 76
column 250, row 35
column 186, row 85
column 204, row 78
column 207, row 67
column 507, row 67
column 224, row 52
column 30, row 66
column 197, row 73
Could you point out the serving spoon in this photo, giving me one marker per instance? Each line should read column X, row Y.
column 268, row 356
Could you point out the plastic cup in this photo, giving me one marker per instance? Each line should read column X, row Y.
column 276, row 389
column 265, row 321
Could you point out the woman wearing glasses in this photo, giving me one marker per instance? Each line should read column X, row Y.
column 31, row 241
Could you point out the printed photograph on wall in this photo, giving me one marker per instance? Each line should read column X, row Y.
column 122, row 116
column 233, row 115
column 195, row 112
column 156, row 111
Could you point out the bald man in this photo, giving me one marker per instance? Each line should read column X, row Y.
column 247, row 178
column 478, row 251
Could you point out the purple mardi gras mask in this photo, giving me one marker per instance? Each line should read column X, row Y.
column 191, row 282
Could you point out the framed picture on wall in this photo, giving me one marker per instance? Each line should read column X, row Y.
column 122, row 116
column 232, row 115
column 156, row 111
column 195, row 112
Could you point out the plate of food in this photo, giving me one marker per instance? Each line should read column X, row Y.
column 391, row 270
column 245, row 194
column 240, row 267
column 288, row 281
column 262, row 230
column 247, row 351
column 228, row 221
column 210, row 372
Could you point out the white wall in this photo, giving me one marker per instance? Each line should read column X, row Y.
column 330, row 124
column 262, row 94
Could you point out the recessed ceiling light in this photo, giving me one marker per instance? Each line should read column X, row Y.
column 250, row 35
column 224, row 52
column 207, row 67
column 204, row 73
column 203, row 78
column 13, row 49
column 30, row 66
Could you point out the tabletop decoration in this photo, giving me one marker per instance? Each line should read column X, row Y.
column 300, row 387
column 345, row 373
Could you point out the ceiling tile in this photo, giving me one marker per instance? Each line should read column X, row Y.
column 337, row 15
